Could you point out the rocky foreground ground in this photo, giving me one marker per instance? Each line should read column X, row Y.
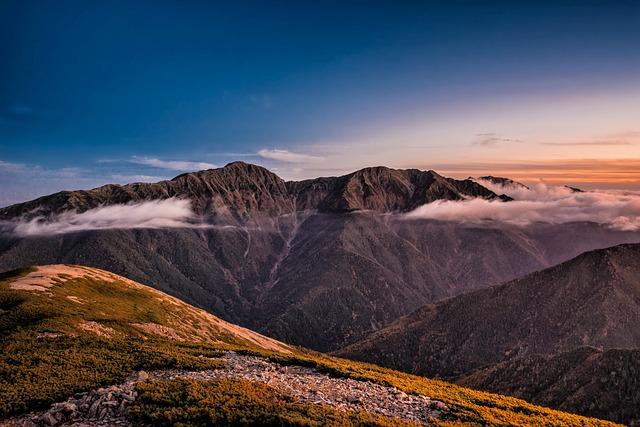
column 108, row 406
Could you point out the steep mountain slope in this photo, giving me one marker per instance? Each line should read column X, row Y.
column 67, row 330
column 587, row 380
column 383, row 189
column 592, row 300
column 73, row 299
column 319, row 263
column 276, row 279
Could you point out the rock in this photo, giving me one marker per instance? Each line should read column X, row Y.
column 440, row 406
column 49, row 419
column 143, row 376
column 66, row 407
column 352, row 399
column 102, row 413
column 93, row 410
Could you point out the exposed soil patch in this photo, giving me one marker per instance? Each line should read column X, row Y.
column 75, row 299
column 160, row 330
column 97, row 328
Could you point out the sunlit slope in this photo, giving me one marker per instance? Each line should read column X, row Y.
column 79, row 299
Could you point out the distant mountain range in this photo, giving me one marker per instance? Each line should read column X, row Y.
column 529, row 337
column 319, row 263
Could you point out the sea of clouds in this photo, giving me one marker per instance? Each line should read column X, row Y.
column 540, row 203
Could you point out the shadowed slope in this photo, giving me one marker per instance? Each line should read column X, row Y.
column 592, row 300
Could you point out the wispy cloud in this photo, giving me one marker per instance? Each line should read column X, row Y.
column 168, row 213
column 126, row 179
column 11, row 167
column 21, row 181
column 287, row 156
column 587, row 143
column 489, row 139
column 17, row 113
column 176, row 165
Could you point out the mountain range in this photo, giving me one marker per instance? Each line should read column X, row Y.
column 245, row 191
column 319, row 263
column 547, row 312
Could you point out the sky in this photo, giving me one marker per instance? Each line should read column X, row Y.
column 126, row 91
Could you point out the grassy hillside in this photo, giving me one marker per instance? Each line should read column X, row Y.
column 65, row 329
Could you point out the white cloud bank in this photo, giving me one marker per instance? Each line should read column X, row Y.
column 176, row 165
column 541, row 203
column 287, row 156
column 168, row 213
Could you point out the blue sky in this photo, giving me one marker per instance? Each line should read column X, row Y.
column 120, row 91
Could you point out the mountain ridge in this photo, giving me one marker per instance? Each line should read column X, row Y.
column 272, row 252
column 246, row 189
column 567, row 380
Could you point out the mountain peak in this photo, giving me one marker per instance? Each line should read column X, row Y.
column 574, row 189
column 383, row 189
column 240, row 165
column 499, row 180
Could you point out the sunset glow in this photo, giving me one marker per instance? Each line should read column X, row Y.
column 536, row 92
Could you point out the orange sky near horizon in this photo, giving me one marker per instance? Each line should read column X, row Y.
column 604, row 174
